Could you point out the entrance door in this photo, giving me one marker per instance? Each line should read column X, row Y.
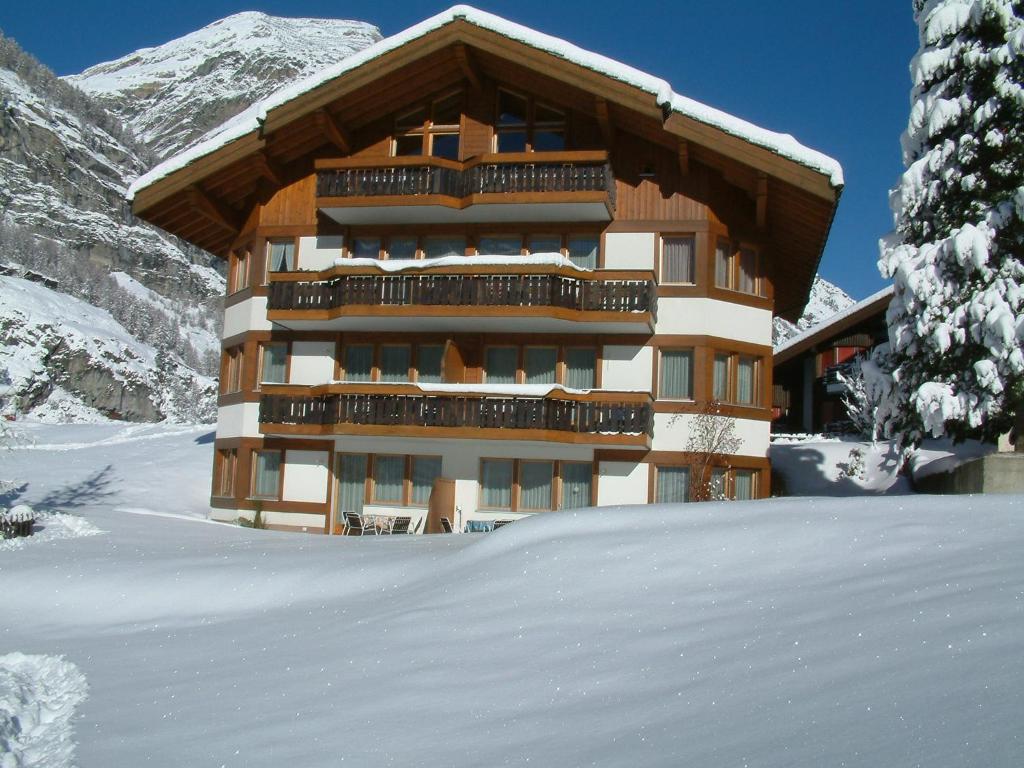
column 351, row 487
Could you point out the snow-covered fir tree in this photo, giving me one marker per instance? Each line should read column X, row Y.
column 956, row 322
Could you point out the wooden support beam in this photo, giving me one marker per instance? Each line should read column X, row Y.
column 762, row 200
column 333, row 130
column 468, row 67
column 604, row 120
column 684, row 157
column 213, row 211
column 268, row 169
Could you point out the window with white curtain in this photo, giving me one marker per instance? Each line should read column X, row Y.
column 720, row 383
column 500, row 365
column 676, row 374
column 274, row 363
column 266, row 476
column 678, row 259
column 430, row 358
column 388, row 478
column 540, row 364
column 672, row 485
column 496, row 483
column 583, row 250
column 723, row 262
column 577, row 479
column 746, row 368
column 581, row 367
column 394, row 362
column 425, row 469
column 743, row 484
column 358, row 362
column 281, row 256
column 748, row 271
column 536, row 484
column 352, row 472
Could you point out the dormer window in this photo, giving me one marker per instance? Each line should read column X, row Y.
column 430, row 129
column 525, row 125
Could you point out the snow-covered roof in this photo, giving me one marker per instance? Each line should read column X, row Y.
column 837, row 319
column 250, row 120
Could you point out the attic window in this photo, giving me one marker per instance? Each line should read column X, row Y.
column 525, row 125
column 430, row 129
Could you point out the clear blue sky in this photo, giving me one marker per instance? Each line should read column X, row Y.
column 831, row 72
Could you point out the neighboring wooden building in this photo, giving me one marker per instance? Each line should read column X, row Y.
column 808, row 390
column 479, row 254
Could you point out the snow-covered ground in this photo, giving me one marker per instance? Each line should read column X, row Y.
column 810, row 632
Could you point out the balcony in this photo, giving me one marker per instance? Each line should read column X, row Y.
column 549, row 186
column 541, row 298
column 593, row 418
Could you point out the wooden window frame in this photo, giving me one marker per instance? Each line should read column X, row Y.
column 227, row 466
column 403, row 494
column 260, row 350
column 378, row 357
column 267, row 244
column 694, row 256
column 280, row 474
column 732, row 378
column 660, row 351
column 736, row 248
column 429, row 129
column 239, row 277
column 689, row 467
column 515, row 505
column 233, row 372
column 530, row 124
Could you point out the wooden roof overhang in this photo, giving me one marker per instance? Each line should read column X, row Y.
column 208, row 201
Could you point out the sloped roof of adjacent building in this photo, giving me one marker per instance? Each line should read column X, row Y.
column 876, row 303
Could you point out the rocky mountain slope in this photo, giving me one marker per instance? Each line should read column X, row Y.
column 825, row 300
column 172, row 94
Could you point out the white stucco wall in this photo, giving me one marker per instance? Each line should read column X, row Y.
column 711, row 317
column 629, row 250
column 312, row 362
column 239, row 420
column 305, row 476
column 672, row 430
column 320, row 251
column 248, row 315
column 622, row 482
column 627, row 367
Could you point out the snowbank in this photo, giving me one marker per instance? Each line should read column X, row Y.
column 52, row 526
column 38, row 696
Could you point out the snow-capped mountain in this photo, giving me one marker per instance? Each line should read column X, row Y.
column 172, row 94
column 825, row 300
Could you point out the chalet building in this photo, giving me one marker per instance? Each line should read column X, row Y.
column 476, row 268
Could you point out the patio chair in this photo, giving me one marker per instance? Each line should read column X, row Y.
column 446, row 525
column 499, row 523
column 357, row 525
column 400, row 525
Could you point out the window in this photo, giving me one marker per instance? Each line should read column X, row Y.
column 716, row 484
column 743, row 484
column 431, row 129
column 429, row 362
column 425, row 469
column 524, row 125
column 402, row 248
column 678, row 260
column 395, row 362
column 581, row 368
column 746, row 368
column 273, row 363
column 672, row 485
column 227, row 460
column 583, row 250
column 280, row 256
column 675, row 374
column 233, row 367
column 536, row 484
column 239, row 277
column 366, row 247
column 540, row 364
column 438, row 247
column 500, row 245
column 545, row 244
column 736, row 379
column 358, row 362
column 266, row 474
column 737, row 269
column 352, row 474
column 577, row 478
column 500, row 365
column 496, row 483
column 720, row 384
column 388, row 479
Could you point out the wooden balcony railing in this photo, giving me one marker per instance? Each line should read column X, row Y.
column 579, row 416
column 523, row 173
column 626, row 296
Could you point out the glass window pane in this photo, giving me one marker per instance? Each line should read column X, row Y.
column 388, row 476
column 743, row 484
column 716, row 487
column 511, row 109
column 576, row 485
column 583, row 251
column 351, row 483
column 410, row 120
column 722, row 253
column 445, row 145
column 447, row 111
column 536, row 484
column 496, row 483
column 274, row 359
column 677, row 260
column 676, row 374
column 745, row 380
column 438, row 247
column 358, row 362
column 545, row 140
column 748, row 271
column 267, row 474
column 511, row 141
column 406, row 146
column 429, row 362
column 366, row 247
column 394, row 363
column 581, row 368
column 499, row 245
column 545, row 114
column 545, row 244
column 425, row 469
column 539, row 364
column 282, row 257
column 402, row 248
column 720, row 386
column 500, row 365
column 673, row 486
